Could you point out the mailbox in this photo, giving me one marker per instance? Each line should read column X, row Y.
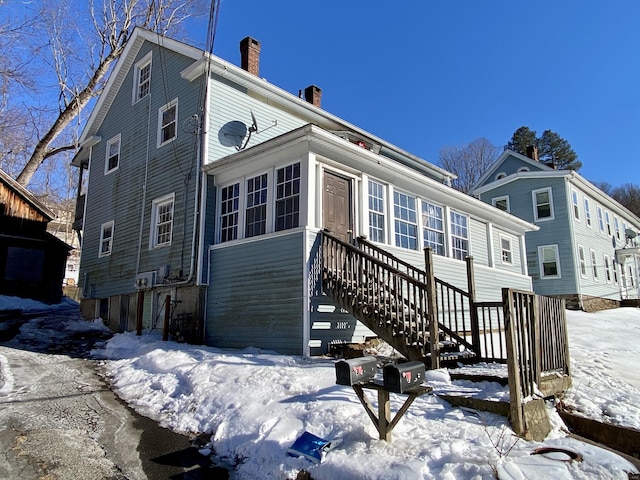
column 356, row 370
column 403, row 376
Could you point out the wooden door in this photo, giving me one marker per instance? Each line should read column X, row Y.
column 337, row 206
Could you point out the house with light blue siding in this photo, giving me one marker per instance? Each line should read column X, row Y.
column 205, row 191
column 585, row 249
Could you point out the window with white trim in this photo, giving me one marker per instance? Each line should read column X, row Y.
column 106, row 239
column 406, row 226
column 288, row 197
column 168, row 123
column 615, row 271
column 574, row 201
column 256, row 207
column 112, row 155
column 607, row 221
column 376, row 212
column 162, row 221
column 583, row 261
column 142, row 78
column 543, row 204
column 433, row 227
column 229, row 211
column 616, row 224
column 594, row 265
column 459, row 235
column 607, row 269
column 600, row 218
column 587, row 212
column 523, row 169
column 505, row 250
column 501, row 175
column 630, row 276
column 549, row 261
column 502, row 203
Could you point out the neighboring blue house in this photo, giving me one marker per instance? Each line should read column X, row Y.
column 586, row 249
column 205, row 184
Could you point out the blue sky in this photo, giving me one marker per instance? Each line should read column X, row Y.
column 429, row 74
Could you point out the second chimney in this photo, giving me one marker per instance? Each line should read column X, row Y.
column 250, row 55
column 532, row 152
column 313, row 94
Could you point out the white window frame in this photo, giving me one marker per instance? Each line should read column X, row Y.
column 109, row 154
column 594, row 265
column 173, row 104
column 616, row 225
column 576, row 205
column 501, row 175
column 615, row 270
column 230, row 210
column 506, row 251
column 459, row 235
column 291, row 191
column 554, row 249
column 106, row 243
column 159, row 222
column 607, row 268
column 405, row 215
column 587, row 212
column 142, row 85
column 376, row 204
column 582, row 261
column 257, row 199
column 607, row 223
column 430, row 226
column 600, row 219
column 523, row 169
column 536, row 205
column 505, row 199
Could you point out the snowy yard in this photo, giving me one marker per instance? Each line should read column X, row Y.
column 256, row 403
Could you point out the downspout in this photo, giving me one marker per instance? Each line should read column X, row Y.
column 144, row 186
column 576, row 267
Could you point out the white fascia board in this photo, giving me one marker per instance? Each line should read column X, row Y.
column 597, row 194
column 509, row 153
column 519, row 175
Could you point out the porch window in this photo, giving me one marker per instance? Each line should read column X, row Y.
column 587, row 212
column 543, row 204
column 615, row 271
column 574, row 201
column 406, row 228
column 607, row 269
column 549, row 264
column 583, row 261
column 142, row 78
column 376, row 212
column 256, row 211
column 600, row 219
column 167, row 123
column 162, row 221
column 459, row 235
column 288, row 197
column 594, row 265
column 630, row 277
column 433, row 227
column 502, row 203
column 106, row 239
column 229, row 208
column 113, row 155
column 505, row 249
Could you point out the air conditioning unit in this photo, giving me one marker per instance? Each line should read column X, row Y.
column 145, row 280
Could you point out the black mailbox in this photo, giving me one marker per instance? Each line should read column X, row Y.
column 402, row 377
column 355, row 370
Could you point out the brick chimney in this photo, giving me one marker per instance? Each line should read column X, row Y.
column 532, row 152
column 250, row 55
column 313, row 94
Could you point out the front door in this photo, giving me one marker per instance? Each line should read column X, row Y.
column 337, row 207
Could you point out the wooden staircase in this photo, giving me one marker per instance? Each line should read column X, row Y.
column 397, row 303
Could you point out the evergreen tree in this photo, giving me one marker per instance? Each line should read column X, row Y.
column 553, row 150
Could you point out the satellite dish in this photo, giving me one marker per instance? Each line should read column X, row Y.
column 630, row 233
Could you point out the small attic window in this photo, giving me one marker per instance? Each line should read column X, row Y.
column 501, row 175
column 523, row 169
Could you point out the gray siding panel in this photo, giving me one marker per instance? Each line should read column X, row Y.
column 145, row 173
column 256, row 294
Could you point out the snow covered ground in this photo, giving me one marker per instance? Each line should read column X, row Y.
column 256, row 403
